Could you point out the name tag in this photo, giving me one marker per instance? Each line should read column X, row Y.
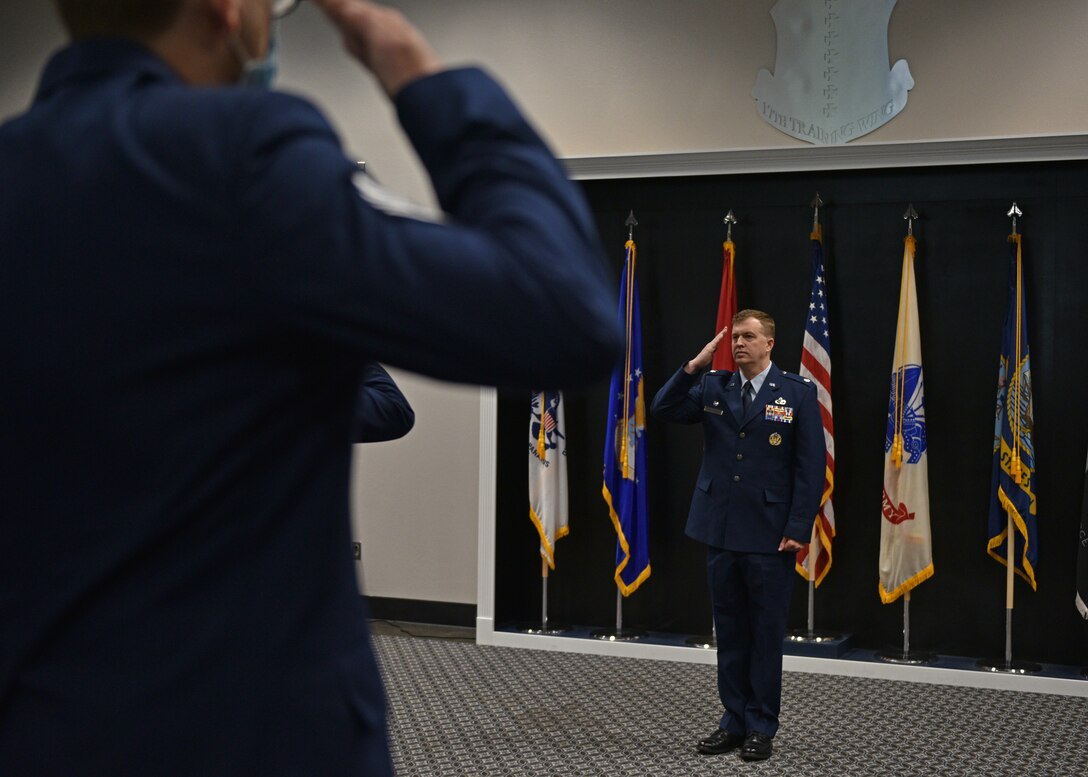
column 714, row 410
column 779, row 413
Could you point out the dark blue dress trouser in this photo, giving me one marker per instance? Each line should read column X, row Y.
column 751, row 596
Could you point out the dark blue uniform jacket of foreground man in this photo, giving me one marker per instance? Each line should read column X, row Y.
column 190, row 286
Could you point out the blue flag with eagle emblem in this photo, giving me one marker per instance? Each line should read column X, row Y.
column 624, row 446
column 1012, row 493
column 906, row 544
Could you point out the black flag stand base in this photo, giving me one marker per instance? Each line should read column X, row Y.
column 811, row 635
column 705, row 641
column 906, row 655
column 1001, row 666
column 546, row 630
column 1007, row 665
column 702, row 641
column 913, row 658
column 618, row 634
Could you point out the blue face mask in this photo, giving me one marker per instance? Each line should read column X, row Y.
column 261, row 73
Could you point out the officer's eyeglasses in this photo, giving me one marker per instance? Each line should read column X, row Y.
column 280, row 8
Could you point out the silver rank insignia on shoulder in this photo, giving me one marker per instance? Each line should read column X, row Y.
column 806, row 380
column 712, row 372
column 780, row 401
column 775, row 439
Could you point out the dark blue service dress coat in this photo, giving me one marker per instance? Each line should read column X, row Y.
column 762, row 474
column 190, row 284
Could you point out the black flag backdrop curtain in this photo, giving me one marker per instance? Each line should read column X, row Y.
column 962, row 279
column 1082, row 553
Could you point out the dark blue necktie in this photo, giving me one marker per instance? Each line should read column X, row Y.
column 746, row 396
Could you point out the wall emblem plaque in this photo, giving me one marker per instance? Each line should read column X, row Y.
column 831, row 82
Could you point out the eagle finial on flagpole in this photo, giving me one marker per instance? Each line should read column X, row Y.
column 910, row 217
column 816, row 204
column 631, row 223
column 729, row 221
column 1014, row 212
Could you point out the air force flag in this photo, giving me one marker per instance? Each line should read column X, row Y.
column 624, row 487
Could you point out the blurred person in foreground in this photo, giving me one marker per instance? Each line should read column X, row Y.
column 192, row 285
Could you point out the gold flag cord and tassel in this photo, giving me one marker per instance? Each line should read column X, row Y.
column 901, row 372
column 630, row 303
column 541, row 438
column 1012, row 396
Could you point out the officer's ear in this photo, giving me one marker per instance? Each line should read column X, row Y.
column 770, row 343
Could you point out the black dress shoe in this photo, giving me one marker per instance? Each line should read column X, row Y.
column 757, row 747
column 721, row 741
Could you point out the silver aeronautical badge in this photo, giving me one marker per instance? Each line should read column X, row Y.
column 390, row 202
column 831, row 81
column 780, row 401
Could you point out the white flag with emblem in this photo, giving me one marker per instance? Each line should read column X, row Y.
column 548, row 471
column 906, row 552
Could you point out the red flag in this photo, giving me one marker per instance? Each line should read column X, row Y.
column 727, row 308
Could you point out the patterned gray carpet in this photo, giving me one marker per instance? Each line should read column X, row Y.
column 457, row 708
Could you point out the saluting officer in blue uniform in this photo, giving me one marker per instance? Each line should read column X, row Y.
column 755, row 500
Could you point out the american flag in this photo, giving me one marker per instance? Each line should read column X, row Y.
column 549, row 419
column 814, row 560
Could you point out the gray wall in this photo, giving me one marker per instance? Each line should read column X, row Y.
column 604, row 77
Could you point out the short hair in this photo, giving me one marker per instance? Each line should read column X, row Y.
column 128, row 18
column 764, row 318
